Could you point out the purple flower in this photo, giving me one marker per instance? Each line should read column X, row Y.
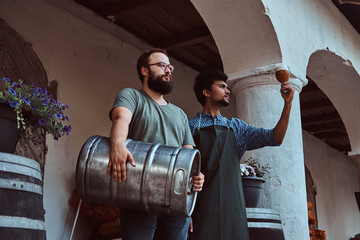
column 58, row 115
column 27, row 100
column 44, row 102
column 13, row 104
column 14, row 84
column 67, row 130
column 6, row 79
column 67, row 106
column 12, row 91
column 42, row 121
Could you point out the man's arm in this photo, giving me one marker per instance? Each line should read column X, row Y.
column 287, row 92
column 119, row 154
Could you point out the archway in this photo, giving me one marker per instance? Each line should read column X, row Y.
column 242, row 31
column 338, row 79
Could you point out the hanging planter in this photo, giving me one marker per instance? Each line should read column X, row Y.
column 9, row 132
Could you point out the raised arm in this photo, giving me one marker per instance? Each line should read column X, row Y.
column 287, row 92
column 119, row 154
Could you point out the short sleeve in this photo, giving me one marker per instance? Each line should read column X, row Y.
column 125, row 98
column 188, row 140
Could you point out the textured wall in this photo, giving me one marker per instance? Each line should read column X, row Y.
column 91, row 60
column 335, row 178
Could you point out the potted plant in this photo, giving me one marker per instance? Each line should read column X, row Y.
column 36, row 113
column 253, row 175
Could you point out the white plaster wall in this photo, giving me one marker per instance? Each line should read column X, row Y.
column 244, row 36
column 92, row 60
column 303, row 27
column 335, row 178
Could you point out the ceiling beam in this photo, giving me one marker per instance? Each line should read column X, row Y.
column 185, row 61
column 343, row 149
column 185, row 39
column 128, row 8
column 323, row 118
column 331, row 135
column 316, row 104
column 356, row 2
column 325, row 127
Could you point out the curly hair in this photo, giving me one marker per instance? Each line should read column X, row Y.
column 205, row 80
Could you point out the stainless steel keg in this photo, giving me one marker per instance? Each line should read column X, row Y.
column 160, row 182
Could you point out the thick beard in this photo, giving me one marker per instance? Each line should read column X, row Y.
column 157, row 84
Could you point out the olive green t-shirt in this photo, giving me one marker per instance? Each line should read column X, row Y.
column 154, row 123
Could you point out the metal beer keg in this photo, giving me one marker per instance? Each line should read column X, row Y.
column 160, row 182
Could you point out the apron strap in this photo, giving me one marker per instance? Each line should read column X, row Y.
column 199, row 122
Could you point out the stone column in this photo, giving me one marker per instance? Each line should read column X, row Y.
column 356, row 158
column 259, row 103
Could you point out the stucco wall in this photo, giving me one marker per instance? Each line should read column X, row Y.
column 92, row 61
column 304, row 27
column 335, row 178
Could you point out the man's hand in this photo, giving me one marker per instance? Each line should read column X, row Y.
column 198, row 181
column 119, row 154
column 287, row 92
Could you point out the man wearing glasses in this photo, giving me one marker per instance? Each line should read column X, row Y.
column 144, row 115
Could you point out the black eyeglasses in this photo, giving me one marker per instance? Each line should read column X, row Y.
column 163, row 66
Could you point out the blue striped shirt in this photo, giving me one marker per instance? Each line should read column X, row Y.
column 247, row 137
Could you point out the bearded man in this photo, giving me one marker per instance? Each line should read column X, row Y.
column 144, row 115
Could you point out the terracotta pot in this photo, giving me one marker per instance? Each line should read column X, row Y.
column 251, row 188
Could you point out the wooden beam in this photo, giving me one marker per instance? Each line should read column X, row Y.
column 128, row 8
column 188, row 38
column 356, row 2
column 331, row 135
column 316, row 104
column 323, row 118
column 326, row 127
column 187, row 62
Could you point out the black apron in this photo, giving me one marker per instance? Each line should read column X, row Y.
column 220, row 212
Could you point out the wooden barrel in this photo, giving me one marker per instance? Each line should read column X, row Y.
column 160, row 182
column 21, row 198
column 264, row 224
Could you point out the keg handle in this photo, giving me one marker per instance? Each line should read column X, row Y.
column 191, row 188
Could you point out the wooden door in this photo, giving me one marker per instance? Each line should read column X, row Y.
column 19, row 61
